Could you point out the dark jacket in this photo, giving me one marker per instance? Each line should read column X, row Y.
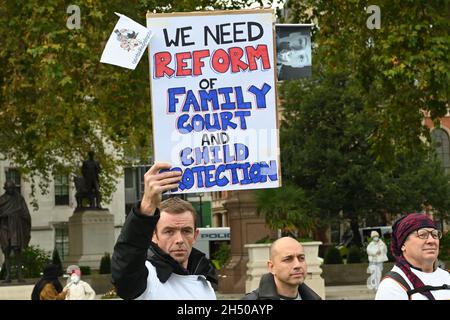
column 53, row 292
column 268, row 291
column 134, row 246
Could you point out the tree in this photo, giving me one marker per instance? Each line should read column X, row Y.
column 344, row 140
column 105, row 264
column 287, row 210
column 328, row 161
column 57, row 101
column 403, row 67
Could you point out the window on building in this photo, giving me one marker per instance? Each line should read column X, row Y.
column 62, row 239
column 442, row 142
column 134, row 185
column 13, row 175
column 140, row 180
column 129, row 178
column 61, row 189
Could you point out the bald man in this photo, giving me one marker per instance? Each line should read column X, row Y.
column 287, row 271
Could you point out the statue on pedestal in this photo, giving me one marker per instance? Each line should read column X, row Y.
column 88, row 185
column 15, row 228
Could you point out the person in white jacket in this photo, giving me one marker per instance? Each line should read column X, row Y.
column 77, row 288
column 377, row 252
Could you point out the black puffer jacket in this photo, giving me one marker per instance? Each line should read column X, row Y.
column 268, row 291
column 134, row 247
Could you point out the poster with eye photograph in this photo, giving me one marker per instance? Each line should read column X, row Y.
column 293, row 45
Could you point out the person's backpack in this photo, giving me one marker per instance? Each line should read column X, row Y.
column 410, row 291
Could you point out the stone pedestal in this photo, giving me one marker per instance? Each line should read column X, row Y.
column 313, row 278
column 245, row 227
column 257, row 266
column 258, row 255
column 91, row 235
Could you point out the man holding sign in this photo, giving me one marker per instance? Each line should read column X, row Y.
column 213, row 91
column 171, row 269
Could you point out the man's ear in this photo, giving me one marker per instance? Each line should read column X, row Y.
column 196, row 233
column 270, row 265
column 155, row 237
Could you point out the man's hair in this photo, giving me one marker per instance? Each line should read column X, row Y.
column 177, row 205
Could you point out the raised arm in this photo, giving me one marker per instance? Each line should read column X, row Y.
column 128, row 261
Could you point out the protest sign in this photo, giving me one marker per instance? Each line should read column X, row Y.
column 213, row 91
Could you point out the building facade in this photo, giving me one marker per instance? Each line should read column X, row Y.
column 50, row 228
column 49, row 224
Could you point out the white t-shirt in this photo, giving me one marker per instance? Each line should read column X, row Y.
column 177, row 287
column 389, row 289
column 80, row 291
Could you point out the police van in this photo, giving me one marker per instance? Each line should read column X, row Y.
column 209, row 239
